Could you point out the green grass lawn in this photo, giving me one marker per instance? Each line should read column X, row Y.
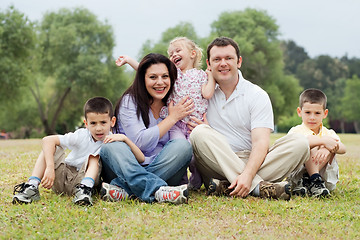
column 55, row 217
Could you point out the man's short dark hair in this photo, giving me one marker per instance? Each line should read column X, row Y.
column 223, row 42
column 98, row 105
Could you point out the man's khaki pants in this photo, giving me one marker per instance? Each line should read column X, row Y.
column 215, row 158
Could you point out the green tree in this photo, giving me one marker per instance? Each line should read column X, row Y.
column 67, row 61
column 334, row 96
column 74, row 56
column 20, row 118
column 17, row 43
column 257, row 35
column 351, row 101
column 293, row 55
column 353, row 65
column 321, row 72
column 17, row 40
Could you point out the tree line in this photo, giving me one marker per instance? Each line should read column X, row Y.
column 49, row 68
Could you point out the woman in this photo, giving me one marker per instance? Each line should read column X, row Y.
column 138, row 117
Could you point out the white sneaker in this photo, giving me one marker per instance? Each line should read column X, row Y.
column 175, row 195
column 112, row 193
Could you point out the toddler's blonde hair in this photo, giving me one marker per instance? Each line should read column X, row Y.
column 191, row 45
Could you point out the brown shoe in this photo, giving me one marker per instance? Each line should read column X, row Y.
column 218, row 188
column 280, row 190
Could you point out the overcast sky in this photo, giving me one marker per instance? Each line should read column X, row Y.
column 329, row 27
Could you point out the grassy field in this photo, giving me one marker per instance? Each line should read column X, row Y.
column 55, row 217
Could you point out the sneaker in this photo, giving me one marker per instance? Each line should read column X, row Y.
column 174, row 195
column 302, row 186
column 218, row 188
column 112, row 193
column 317, row 188
column 83, row 195
column 25, row 193
column 280, row 190
column 193, row 188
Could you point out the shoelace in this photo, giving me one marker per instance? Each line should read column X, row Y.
column 269, row 190
column 318, row 184
column 20, row 188
column 87, row 190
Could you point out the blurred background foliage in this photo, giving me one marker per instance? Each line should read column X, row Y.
column 48, row 69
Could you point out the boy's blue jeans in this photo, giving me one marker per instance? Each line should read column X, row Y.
column 166, row 169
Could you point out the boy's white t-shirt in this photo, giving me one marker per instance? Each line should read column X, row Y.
column 81, row 144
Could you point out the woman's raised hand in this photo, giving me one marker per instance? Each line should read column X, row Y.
column 184, row 108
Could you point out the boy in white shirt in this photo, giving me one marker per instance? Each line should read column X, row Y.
column 79, row 172
column 320, row 173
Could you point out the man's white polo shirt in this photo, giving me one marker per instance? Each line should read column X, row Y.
column 247, row 108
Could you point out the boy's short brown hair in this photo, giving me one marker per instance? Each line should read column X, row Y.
column 98, row 105
column 312, row 95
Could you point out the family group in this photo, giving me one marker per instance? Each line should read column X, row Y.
column 177, row 120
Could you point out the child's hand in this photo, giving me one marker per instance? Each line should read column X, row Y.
column 321, row 156
column 331, row 144
column 209, row 73
column 114, row 138
column 48, row 179
column 122, row 60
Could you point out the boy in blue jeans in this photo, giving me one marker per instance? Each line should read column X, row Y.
column 79, row 172
column 320, row 173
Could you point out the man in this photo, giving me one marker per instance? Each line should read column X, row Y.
column 234, row 147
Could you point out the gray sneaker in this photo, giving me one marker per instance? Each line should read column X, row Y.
column 218, row 188
column 113, row 193
column 25, row 193
column 83, row 195
column 175, row 195
column 280, row 190
column 317, row 188
column 302, row 186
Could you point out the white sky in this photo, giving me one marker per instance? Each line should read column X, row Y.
column 329, row 27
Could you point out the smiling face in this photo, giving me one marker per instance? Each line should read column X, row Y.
column 157, row 81
column 99, row 125
column 224, row 64
column 312, row 115
column 181, row 56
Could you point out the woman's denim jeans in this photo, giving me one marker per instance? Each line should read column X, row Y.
column 120, row 165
